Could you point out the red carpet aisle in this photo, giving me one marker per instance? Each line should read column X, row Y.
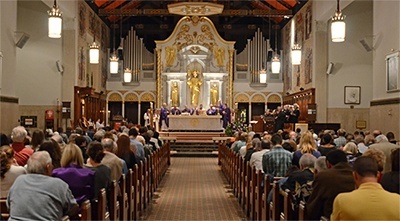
column 194, row 189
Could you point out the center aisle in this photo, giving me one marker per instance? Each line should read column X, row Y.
column 194, row 189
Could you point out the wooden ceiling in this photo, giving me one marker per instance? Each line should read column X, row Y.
column 238, row 22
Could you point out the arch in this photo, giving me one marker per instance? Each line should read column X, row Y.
column 274, row 98
column 131, row 97
column 147, row 96
column 242, row 98
column 258, row 98
column 114, row 96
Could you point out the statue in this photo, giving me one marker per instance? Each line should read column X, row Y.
column 175, row 94
column 214, row 94
column 170, row 54
column 194, row 82
column 219, row 54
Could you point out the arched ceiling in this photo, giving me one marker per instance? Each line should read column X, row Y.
column 238, row 21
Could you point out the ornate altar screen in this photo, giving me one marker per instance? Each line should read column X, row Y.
column 194, row 65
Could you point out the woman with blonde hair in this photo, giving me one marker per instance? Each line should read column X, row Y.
column 80, row 180
column 351, row 151
column 307, row 145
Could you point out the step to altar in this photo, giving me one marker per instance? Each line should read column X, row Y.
column 175, row 153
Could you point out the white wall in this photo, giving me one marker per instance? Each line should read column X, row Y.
column 387, row 32
column 352, row 63
column 39, row 82
column 8, row 26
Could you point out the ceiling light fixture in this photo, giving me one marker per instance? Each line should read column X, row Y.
column 94, row 48
column 114, row 59
column 276, row 63
column 127, row 75
column 296, row 54
column 338, row 26
column 55, row 21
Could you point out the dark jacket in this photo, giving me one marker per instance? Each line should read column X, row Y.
column 326, row 186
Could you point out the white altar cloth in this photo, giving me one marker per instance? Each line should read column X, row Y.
column 195, row 122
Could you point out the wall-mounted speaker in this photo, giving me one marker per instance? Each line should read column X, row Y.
column 59, row 66
column 22, row 40
column 329, row 69
column 366, row 45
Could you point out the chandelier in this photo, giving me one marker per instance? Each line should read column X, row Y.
column 296, row 54
column 127, row 75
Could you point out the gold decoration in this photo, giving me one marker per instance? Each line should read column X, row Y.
column 147, row 97
column 195, row 8
column 131, row 97
column 159, row 85
column 242, row 98
column 258, row 98
column 230, row 85
column 195, row 49
column 115, row 97
column 175, row 94
column 194, row 122
column 214, row 96
column 219, row 55
column 170, row 55
column 194, row 82
column 274, row 99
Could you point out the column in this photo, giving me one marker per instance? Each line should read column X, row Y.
column 106, row 114
column 123, row 109
column 320, row 46
column 159, row 85
column 139, row 111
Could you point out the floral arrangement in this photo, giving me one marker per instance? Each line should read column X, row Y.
column 235, row 126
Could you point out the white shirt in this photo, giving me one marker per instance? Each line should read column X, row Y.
column 256, row 159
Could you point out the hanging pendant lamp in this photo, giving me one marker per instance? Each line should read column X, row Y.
column 338, row 26
column 276, row 63
column 127, row 75
column 296, row 54
column 55, row 21
column 114, row 59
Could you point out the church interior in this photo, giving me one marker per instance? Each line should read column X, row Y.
column 121, row 64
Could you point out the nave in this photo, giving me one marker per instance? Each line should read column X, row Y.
column 194, row 189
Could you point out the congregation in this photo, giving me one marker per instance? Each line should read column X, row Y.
column 328, row 171
column 331, row 172
column 60, row 171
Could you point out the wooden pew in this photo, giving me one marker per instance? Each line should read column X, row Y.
column 303, row 211
column 102, row 213
column 274, row 205
column 258, row 195
column 86, row 211
column 247, row 206
column 323, row 218
column 140, row 187
column 136, row 192
column 253, row 184
column 5, row 214
column 265, row 205
column 113, row 204
column 123, row 198
column 288, row 213
column 144, row 182
column 131, row 195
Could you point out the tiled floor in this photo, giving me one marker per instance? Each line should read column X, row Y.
column 194, row 189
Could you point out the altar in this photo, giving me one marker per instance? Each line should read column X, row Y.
column 195, row 123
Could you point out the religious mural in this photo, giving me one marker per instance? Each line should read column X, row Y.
column 91, row 25
column 298, row 76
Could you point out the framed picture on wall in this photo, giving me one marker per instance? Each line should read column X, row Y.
column 352, row 94
column 392, row 72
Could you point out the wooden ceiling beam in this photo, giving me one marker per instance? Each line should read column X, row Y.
column 164, row 12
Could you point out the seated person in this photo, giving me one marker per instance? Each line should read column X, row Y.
column 9, row 170
column 186, row 109
column 211, row 110
column 369, row 201
column 102, row 176
column 390, row 180
column 38, row 191
column 175, row 111
column 80, row 180
column 338, row 178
